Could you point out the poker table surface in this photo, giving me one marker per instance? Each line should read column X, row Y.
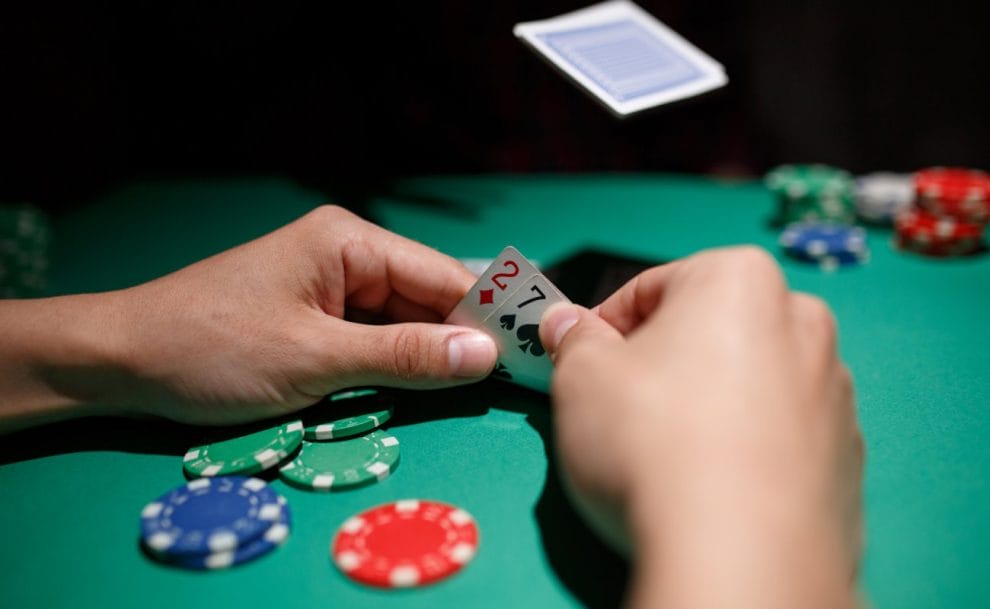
column 912, row 330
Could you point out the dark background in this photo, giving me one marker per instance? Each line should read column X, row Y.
column 348, row 94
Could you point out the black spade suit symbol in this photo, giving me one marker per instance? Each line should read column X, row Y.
column 529, row 334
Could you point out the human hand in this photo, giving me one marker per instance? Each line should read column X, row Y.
column 704, row 420
column 266, row 328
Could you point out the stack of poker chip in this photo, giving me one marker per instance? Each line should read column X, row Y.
column 25, row 235
column 812, row 193
column 881, row 197
column 338, row 447
column 222, row 518
column 829, row 246
column 343, row 447
column 951, row 210
column 215, row 523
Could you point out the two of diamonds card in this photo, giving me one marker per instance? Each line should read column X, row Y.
column 623, row 56
column 507, row 302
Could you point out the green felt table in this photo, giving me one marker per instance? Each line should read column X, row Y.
column 912, row 330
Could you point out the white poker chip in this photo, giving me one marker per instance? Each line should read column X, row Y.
column 883, row 196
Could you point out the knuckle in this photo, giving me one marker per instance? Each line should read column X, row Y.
column 845, row 381
column 859, row 445
column 321, row 224
column 412, row 354
column 818, row 317
column 747, row 265
column 328, row 214
column 751, row 261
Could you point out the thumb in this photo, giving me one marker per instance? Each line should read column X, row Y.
column 565, row 326
column 419, row 355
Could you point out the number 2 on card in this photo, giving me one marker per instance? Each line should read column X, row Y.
column 515, row 271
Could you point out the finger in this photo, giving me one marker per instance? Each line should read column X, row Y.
column 410, row 355
column 635, row 301
column 379, row 264
column 717, row 290
column 565, row 327
column 814, row 322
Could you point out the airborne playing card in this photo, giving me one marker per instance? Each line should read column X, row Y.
column 515, row 326
column 497, row 283
column 623, row 56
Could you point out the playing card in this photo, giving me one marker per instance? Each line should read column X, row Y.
column 497, row 283
column 623, row 56
column 515, row 326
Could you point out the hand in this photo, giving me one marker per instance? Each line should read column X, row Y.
column 703, row 414
column 264, row 328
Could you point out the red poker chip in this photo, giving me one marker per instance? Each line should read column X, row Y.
column 952, row 184
column 925, row 226
column 977, row 212
column 964, row 247
column 411, row 542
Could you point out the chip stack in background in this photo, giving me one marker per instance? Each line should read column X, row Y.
column 828, row 245
column 882, row 196
column 25, row 235
column 952, row 208
column 816, row 206
column 812, row 193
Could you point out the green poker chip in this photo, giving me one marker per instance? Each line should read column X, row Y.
column 812, row 193
column 814, row 181
column 247, row 454
column 346, row 464
column 348, row 413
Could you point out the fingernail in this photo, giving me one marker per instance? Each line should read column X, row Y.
column 471, row 354
column 558, row 320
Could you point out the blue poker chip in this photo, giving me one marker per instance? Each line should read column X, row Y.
column 272, row 538
column 825, row 244
column 208, row 516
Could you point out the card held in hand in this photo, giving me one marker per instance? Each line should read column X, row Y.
column 515, row 326
column 495, row 284
column 507, row 302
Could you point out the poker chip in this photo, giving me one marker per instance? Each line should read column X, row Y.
column 412, row 542
column 924, row 233
column 343, row 464
column 812, row 192
column 827, row 245
column 919, row 224
column 952, row 184
column 977, row 212
column 960, row 193
column 348, row 413
column 247, row 454
column 882, row 196
column 938, row 249
column 815, row 180
column 272, row 538
column 209, row 516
